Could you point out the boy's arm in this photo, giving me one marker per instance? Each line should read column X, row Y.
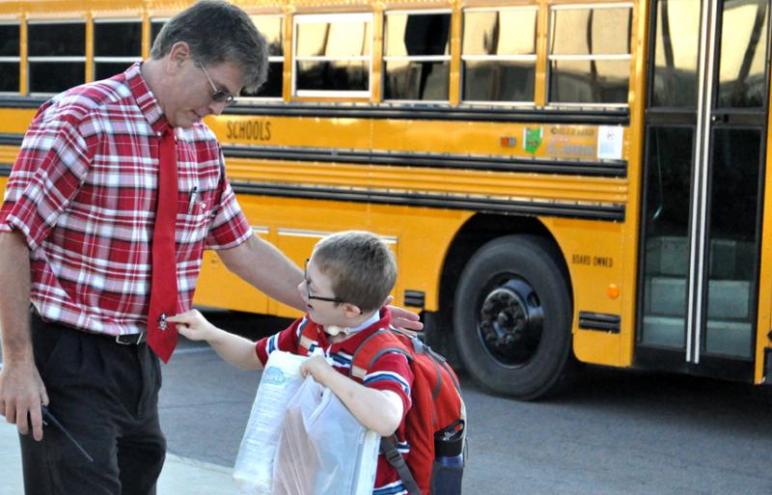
column 378, row 410
column 236, row 350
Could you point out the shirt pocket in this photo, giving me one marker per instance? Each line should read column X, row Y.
column 196, row 218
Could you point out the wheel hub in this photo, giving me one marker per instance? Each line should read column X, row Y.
column 511, row 322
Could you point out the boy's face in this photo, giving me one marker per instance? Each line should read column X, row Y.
column 321, row 303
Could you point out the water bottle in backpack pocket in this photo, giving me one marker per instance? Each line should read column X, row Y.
column 448, row 467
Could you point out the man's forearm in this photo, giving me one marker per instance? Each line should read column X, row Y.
column 21, row 389
column 262, row 265
column 14, row 298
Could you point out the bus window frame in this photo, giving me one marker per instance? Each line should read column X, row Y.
column 11, row 59
column 619, row 57
column 115, row 60
column 330, row 18
column 54, row 59
column 415, row 58
column 496, row 58
column 272, row 59
column 156, row 20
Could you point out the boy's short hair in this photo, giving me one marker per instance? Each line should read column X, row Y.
column 217, row 32
column 360, row 266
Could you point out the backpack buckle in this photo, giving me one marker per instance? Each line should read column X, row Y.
column 390, row 452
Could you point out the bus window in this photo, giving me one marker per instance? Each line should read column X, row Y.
column 117, row 44
column 742, row 78
column 675, row 55
column 9, row 58
column 499, row 55
column 270, row 26
column 57, row 55
column 155, row 27
column 333, row 55
column 589, row 54
column 416, row 56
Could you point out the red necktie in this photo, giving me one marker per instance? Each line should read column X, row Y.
column 162, row 335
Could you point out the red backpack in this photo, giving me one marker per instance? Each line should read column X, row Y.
column 436, row 422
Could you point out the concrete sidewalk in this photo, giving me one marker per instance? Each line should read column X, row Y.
column 179, row 476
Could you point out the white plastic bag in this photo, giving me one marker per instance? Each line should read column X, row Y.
column 281, row 378
column 323, row 450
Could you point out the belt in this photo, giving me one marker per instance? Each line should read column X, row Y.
column 127, row 339
column 131, row 339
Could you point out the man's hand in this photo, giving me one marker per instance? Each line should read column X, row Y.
column 402, row 318
column 22, row 392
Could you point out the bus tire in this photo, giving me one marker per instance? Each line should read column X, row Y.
column 512, row 317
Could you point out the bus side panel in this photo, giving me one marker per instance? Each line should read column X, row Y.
column 219, row 288
column 764, row 322
column 15, row 121
column 419, row 237
column 594, row 254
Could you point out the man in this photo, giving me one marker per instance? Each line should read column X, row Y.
column 78, row 238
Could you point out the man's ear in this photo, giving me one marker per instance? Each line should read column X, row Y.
column 179, row 53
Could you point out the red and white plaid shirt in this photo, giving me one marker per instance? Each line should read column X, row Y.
column 83, row 194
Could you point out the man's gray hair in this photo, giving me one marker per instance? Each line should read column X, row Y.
column 217, row 32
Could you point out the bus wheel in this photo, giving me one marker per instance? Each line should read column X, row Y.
column 512, row 317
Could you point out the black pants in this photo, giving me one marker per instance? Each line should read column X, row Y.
column 106, row 395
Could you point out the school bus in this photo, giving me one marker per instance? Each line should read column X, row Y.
column 560, row 180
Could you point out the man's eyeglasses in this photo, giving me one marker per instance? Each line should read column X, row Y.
column 218, row 95
column 308, row 291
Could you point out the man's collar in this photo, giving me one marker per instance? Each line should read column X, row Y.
column 146, row 100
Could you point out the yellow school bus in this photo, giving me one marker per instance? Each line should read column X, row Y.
column 560, row 180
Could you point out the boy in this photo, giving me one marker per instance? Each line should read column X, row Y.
column 346, row 284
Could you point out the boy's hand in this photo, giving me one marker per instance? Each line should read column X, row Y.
column 193, row 325
column 316, row 366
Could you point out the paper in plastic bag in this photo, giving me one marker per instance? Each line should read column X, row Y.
column 280, row 380
column 323, row 449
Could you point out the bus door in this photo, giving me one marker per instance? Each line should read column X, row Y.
column 706, row 118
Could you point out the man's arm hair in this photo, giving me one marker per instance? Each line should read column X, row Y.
column 259, row 263
column 21, row 389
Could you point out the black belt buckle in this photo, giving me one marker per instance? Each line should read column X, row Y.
column 130, row 339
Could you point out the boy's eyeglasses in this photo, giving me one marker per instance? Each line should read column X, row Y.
column 218, row 95
column 308, row 291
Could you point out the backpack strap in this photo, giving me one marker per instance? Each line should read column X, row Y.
column 397, row 461
column 366, row 354
column 439, row 362
column 307, row 335
column 368, row 351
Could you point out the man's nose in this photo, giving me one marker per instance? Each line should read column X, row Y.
column 216, row 108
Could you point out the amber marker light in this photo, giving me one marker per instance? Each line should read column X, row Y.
column 612, row 291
